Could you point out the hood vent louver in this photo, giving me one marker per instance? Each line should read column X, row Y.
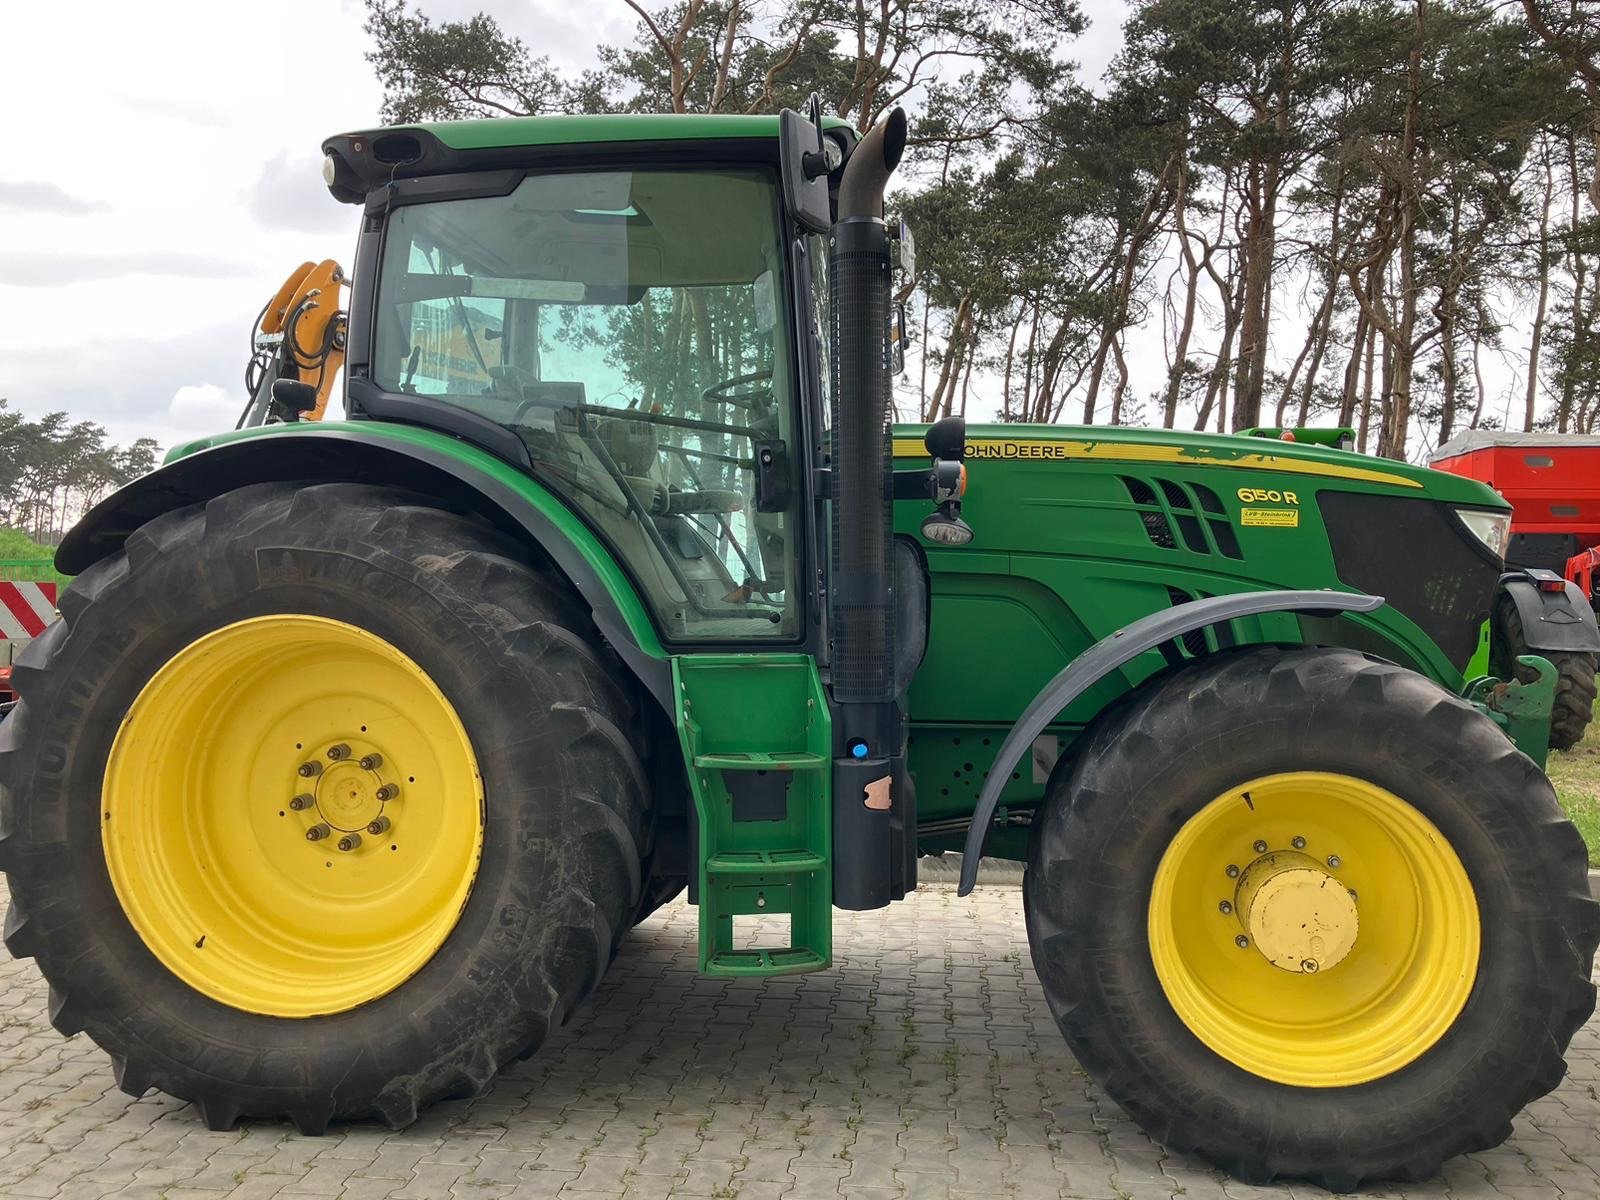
column 1183, row 516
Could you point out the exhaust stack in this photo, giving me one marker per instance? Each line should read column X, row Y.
column 859, row 285
column 871, row 795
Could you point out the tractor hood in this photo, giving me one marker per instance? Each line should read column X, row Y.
column 1074, row 444
column 1175, row 516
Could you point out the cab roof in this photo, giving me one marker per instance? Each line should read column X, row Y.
column 603, row 127
column 366, row 159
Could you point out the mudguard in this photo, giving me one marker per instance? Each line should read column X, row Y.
column 1559, row 618
column 457, row 475
column 1117, row 650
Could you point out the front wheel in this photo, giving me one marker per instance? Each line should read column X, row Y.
column 1310, row 916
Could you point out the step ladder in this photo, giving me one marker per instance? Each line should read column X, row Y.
column 757, row 739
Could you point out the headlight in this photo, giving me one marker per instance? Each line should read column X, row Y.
column 1493, row 529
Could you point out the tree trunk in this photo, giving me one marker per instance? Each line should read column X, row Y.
column 1317, row 340
column 1536, row 347
column 1366, row 389
column 1399, row 362
column 1180, row 352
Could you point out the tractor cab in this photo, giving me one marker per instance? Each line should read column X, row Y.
column 646, row 333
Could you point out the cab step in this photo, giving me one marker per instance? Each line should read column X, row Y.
column 744, row 963
column 756, row 729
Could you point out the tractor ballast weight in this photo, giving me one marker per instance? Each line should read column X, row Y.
column 619, row 580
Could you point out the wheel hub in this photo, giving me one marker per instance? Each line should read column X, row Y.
column 1258, row 939
column 1297, row 914
column 350, row 795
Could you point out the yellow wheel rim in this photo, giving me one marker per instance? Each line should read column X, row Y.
column 292, row 816
column 1314, row 929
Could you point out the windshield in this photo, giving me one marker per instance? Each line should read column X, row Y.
column 627, row 326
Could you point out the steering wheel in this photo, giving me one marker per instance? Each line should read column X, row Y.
column 751, row 392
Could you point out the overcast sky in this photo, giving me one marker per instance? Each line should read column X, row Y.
column 160, row 175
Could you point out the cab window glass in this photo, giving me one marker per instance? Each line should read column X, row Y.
column 628, row 327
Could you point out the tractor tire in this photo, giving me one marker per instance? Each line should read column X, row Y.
column 192, row 920
column 1271, row 804
column 1575, row 676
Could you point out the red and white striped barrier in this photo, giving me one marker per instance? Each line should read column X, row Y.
column 25, row 609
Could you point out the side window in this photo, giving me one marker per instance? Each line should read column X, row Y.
column 456, row 342
column 630, row 328
column 821, row 324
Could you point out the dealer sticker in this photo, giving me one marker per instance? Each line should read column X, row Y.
column 1275, row 518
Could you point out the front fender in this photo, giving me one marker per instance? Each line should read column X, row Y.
column 457, row 475
column 1109, row 653
column 1559, row 619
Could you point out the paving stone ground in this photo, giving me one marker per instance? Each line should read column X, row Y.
column 924, row 1064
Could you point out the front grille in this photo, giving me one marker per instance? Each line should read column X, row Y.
column 1179, row 515
column 1416, row 555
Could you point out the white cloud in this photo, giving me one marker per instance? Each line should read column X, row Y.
column 35, row 269
column 289, row 195
column 154, row 290
column 202, row 408
column 36, row 195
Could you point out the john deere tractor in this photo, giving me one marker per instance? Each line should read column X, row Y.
column 361, row 744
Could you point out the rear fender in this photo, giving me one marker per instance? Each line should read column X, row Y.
column 458, row 476
column 1120, row 648
column 1559, row 618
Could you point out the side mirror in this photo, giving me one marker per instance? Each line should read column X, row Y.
column 290, row 398
column 946, row 440
column 805, row 169
column 897, row 340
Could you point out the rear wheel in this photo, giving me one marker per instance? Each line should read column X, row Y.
column 1311, row 916
column 1575, row 676
column 318, row 804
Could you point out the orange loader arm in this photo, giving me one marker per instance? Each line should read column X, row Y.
column 303, row 327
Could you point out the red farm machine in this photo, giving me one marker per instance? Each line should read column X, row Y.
column 1553, row 483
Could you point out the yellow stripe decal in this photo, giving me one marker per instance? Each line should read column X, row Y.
column 1063, row 450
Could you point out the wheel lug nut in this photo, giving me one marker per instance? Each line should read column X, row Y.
column 302, row 802
column 1335, row 862
column 350, row 841
column 1225, row 908
column 1260, row 847
column 378, row 827
column 1242, row 942
column 371, row 762
column 1232, row 872
column 338, row 752
column 1298, row 843
column 388, row 792
column 317, row 832
column 307, row 769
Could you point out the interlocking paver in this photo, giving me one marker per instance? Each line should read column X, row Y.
column 925, row 1064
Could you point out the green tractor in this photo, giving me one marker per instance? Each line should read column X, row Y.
column 361, row 745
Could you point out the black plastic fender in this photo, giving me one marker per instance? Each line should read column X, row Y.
column 1109, row 653
column 356, row 457
column 1558, row 619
